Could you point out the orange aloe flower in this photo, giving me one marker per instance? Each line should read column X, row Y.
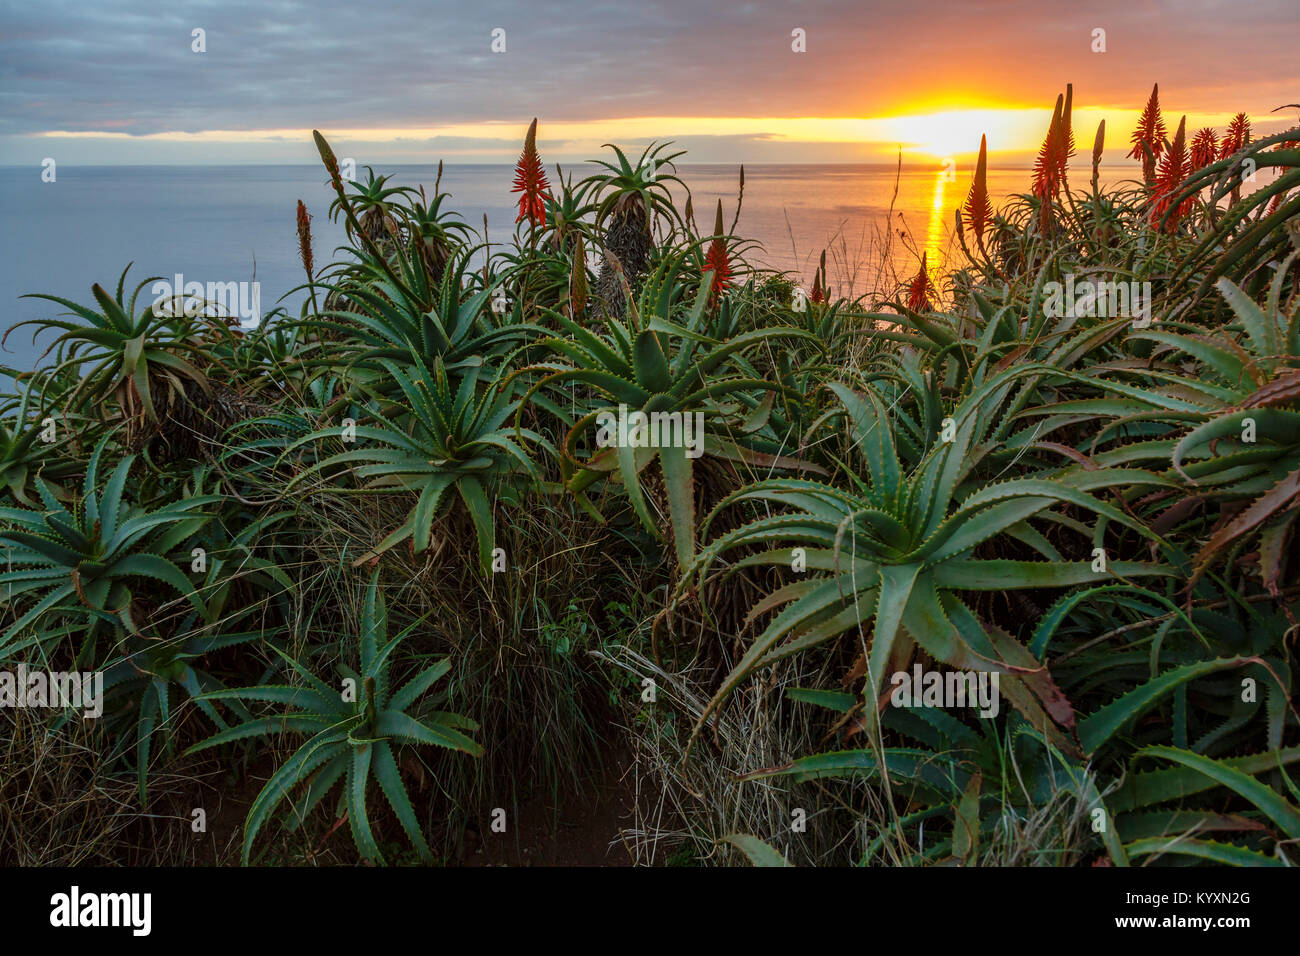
column 1237, row 136
column 819, row 289
column 1205, row 148
column 1053, row 158
column 717, row 259
column 1049, row 167
column 1150, row 133
column 1174, row 169
column 530, row 181
column 920, row 289
column 978, row 211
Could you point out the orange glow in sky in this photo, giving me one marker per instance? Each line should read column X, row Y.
column 937, row 136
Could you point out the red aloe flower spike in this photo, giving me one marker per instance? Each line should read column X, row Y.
column 1049, row 167
column 1205, row 148
column 978, row 210
column 1150, row 133
column 1173, row 170
column 819, row 289
column 717, row 259
column 1237, row 136
column 1044, row 165
column 918, row 292
column 530, row 181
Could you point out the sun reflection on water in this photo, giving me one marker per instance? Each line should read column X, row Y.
column 939, row 214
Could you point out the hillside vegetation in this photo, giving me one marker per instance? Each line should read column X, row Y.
column 422, row 551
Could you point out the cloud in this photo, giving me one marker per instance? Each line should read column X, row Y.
column 128, row 67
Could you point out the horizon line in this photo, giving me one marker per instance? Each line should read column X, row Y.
column 887, row 165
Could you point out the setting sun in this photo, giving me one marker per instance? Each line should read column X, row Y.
column 955, row 132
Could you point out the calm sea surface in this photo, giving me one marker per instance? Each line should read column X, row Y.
column 237, row 223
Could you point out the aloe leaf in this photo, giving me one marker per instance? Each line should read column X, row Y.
column 1096, row 729
column 320, row 748
column 966, row 822
column 1283, row 813
column 757, row 851
column 405, row 728
column 390, row 782
column 681, row 500
column 896, row 582
column 417, row 685
column 358, row 817
column 1226, row 854
column 835, row 700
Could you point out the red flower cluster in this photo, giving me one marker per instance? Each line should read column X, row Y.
column 1054, row 154
column 1175, row 167
column 819, row 282
column 1205, row 148
column 717, row 259
column 530, row 181
column 1237, row 136
column 978, row 211
column 1150, row 133
column 920, row 290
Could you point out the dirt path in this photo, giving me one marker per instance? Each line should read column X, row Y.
column 583, row 830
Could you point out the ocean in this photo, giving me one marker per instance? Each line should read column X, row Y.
column 237, row 223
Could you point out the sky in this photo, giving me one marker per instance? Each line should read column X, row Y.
column 96, row 82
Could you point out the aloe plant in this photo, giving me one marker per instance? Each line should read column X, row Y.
column 440, row 234
column 146, row 678
column 567, row 214
column 131, row 355
column 1229, row 431
column 447, row 437
column 406, row 315
column 1251, row 231
column 24, row 453
column 631, row 199
column 655, row 365
column 1271, row 411
column 87, row 559
column 953, row 773
column 353, row 736
column 898, row 552
column 375, row 200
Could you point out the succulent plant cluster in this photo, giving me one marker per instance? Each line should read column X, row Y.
column 1100, row 510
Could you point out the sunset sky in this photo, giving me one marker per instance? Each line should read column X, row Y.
column 117, row 82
